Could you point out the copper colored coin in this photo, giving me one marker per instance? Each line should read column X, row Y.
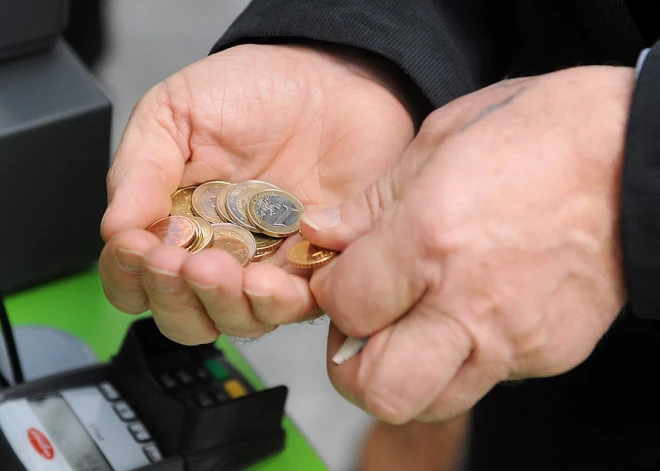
column 266, row 244
column 198, row 236
column 205, row 239
column 224, row 233
column 263, row 256
column 204, row 200
column 174, row 230
column 236, row 247
column 182, row 202
column 306, row 255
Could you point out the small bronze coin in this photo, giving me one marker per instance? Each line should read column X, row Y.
column 266, row 244
column 275, row 212
column 234, row 246
column 237, row 207
column 175, row 230
column 263, row 256
column 224, row 231
column 306, row 255
column 204, row 200
column 221, row 203
column 182, row 202
column 205, row 239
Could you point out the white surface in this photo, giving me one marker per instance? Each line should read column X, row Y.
column 16, row 418
column 96, row 415
column 107, row 430
column 151, row 39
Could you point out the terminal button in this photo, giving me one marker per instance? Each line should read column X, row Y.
column 204, row 400
column 235, row 388
column 153, row 453
column 124, row 411
column 108, row 391
column 184, row 377
column 139, row 432
column 217, row 370
column 168, row 381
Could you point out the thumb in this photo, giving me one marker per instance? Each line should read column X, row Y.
column 147, row 167
column 337, row 226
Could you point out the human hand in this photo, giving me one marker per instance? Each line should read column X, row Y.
column 320, row 127
column 489, row 252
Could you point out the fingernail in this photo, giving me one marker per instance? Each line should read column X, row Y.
column 258, row 298
column 166, row 282
column 351, row 347
column 322, row 219
column 129, row 260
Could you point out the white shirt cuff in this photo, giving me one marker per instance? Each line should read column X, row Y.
column 640, row 61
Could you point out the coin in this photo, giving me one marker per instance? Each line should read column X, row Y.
column 175, row 230
column 237, row 207
column 205, row 239
column 263, row 256
column 228, row 231
column 204, row 200
column 306, row 255
column 221, row 203
column 266, row 244
column 275, row 212
column 182, row 202
column 234, row 246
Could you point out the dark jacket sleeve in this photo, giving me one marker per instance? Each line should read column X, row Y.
column 444, row 46
column 640, row 202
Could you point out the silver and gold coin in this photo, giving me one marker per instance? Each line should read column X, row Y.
column 221, row 203
column 275, row 212
column 204, row 200
column 237, row 206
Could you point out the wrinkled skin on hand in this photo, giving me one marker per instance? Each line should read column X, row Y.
column 489, row 252
column 320, row 127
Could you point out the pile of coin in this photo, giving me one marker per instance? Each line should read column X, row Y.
column 249, row 219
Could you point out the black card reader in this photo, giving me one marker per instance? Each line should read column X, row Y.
column 156, row 405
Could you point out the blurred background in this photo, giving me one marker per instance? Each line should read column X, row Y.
column 130, row 46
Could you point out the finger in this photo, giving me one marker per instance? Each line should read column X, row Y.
column 277, row 297
column 376, row 279
column 488, row 365
column 119, row 267
column 178, row 313
column 147, row 167
column 217, row 279
column 402, row 369
column 472, row 382
column 337, row 226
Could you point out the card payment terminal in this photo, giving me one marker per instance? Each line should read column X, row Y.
column 156, row 405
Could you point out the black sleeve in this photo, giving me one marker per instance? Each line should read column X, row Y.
column 445, row 47
column 640, row 200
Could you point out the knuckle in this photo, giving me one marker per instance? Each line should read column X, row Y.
column 189, row 337
column 378, row 401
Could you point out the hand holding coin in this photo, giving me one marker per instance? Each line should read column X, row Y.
column 211, row 126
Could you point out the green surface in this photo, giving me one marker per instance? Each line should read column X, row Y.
column 77, row 305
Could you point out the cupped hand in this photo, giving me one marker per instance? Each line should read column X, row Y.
column 316, row 125
column 489, row 252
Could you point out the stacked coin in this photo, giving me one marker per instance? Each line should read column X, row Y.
column 249, row 219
